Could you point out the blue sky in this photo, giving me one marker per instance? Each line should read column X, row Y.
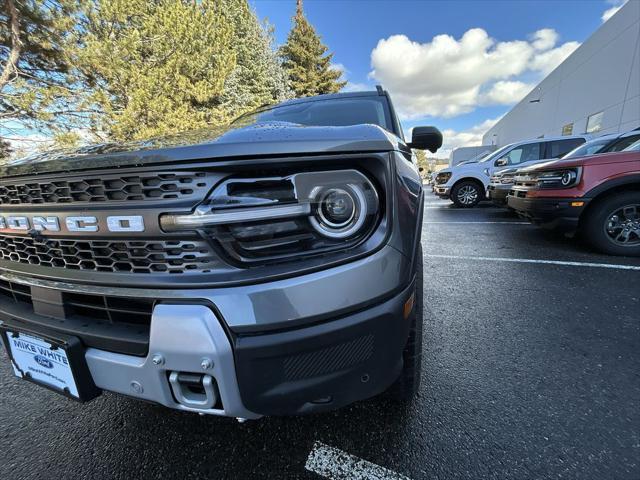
column 458, row 64
column 353, row 28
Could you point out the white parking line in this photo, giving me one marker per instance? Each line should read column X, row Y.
column 330, row 462
column 498, row 223
column 531, row 260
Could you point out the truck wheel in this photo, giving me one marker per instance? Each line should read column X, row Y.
column 613, row 224
column 408, row 383
column 466, row 194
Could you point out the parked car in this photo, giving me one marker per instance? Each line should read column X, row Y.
column 605, row 144
column 466, row 185
column 598, row 196
column 501, row 182
column 273, row 267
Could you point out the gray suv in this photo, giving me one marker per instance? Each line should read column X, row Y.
column 272, row 267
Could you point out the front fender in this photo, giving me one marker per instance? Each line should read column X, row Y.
column 482, row 179
column 408, row 196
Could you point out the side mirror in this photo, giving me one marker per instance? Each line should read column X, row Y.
column 426, row 138
column 501, row 162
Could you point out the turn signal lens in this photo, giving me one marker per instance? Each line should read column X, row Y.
column 408, row 306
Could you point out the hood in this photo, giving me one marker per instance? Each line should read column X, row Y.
column 231, row 142
column 504, row 171
column 471, row 167
column 598, row 159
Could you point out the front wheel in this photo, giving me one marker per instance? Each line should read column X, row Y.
column 612, row 225
column 466, row 194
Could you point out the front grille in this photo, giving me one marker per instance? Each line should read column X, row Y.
column 518, row 193
column 106, row 188
column 15, row 292
column 129, row 256
column 99, row 307
column 115, row 310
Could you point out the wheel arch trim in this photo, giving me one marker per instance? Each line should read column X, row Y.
column 608, row 185
column 607, row 188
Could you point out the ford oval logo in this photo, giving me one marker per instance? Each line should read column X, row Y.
column 43, row 362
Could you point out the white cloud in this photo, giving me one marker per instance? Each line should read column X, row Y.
column 448, row 77
column 340, row 67
column 357, row 87
column 546, row 62
column 468, row 138
column 505, row 92
column 544, row 39
column 610, row 12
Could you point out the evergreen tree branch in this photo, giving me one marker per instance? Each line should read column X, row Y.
column 11, row 68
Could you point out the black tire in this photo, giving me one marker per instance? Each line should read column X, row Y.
column 467, row 194
column 408, row 383
column 606, row 233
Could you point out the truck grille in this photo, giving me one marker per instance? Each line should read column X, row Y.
column 114, row 310
column 106, row 188
column 135, row 256
column 116, row 324
column 15, row 291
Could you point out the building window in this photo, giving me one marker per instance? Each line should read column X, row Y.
column 567, row 129
column 594, row 122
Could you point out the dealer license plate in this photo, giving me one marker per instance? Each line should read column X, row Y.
column 38, row 360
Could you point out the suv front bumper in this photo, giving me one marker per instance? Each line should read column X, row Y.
column 498, row 193
column 442, row 191
column 551, row 213
column 273, row 348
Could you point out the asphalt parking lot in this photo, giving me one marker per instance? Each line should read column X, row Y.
column 531, row 370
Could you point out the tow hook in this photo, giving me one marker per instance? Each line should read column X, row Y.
column 194, row 390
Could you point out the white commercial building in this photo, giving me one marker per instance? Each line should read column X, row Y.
column 595, row 90
column 464, row 154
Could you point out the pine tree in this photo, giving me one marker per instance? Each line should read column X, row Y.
column 421, row 159
column 131, row 69
column 153, row 68
column 36, row 87
column 5, row 149
column 258, row 78
column 306, row 60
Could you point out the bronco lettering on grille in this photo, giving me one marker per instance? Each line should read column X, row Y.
column 87, row 224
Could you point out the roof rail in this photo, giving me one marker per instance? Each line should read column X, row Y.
column 380, row 89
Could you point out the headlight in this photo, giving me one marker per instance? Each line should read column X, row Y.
column 272, row 218
column 339, row 211
column 443, row 177
column 564, row 178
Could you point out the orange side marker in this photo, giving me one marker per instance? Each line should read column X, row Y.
column 408, row 305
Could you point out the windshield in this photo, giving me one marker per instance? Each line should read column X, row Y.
column 622, row 143
column 337, row 112
column 634, row 147
column 497, row 154
column 589, row 148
